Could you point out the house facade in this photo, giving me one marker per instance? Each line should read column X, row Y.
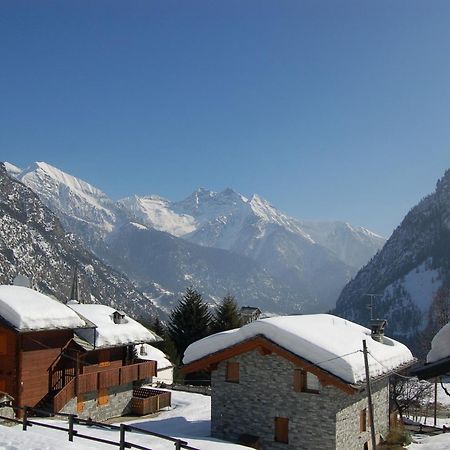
column 46, row 362
column 267, row 395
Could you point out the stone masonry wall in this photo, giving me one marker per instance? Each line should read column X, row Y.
column 265, row 391
column 348, row 436
column 119, row 404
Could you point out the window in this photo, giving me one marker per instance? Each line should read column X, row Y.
column 3, row 344
column 363, row 420
column 305, row 381
column 103, row 358
column 103, row 398
column 299, row 380
column 282, row 430
column 232, row 374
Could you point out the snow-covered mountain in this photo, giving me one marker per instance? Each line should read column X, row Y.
column 311, row 260
column 81, row 207
column 409, row 270
column 33, row 243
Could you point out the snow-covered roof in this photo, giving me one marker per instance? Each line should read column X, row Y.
column 26, row 309
column 329, row 342
column 440, row 345
column 154, row 354
column 108, row 333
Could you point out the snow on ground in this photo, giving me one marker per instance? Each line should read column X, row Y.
column 27, row 309
column 422, row 442
column 188, row 419
column 332, row 343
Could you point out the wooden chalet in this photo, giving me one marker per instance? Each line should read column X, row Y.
column 49, row 357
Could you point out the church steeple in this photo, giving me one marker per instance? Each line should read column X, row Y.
column 75, row 291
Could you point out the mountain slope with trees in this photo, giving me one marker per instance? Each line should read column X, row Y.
column 408, row 272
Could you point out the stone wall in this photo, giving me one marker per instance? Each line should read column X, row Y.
column 119, row 404
column 7, row 411
column 348, row 435
column 265, row 391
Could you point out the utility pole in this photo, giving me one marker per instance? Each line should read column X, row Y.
column 369, row 397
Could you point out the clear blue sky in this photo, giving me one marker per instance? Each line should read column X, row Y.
column 329, row 109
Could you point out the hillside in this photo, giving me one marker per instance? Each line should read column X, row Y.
column 33, row 243
column 409, row 271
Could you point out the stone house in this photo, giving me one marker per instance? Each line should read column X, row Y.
column 297, row 382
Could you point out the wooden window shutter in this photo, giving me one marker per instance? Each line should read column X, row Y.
column 103, row 397
column 363, row 420
column 103, row 358
column 232, row 372
column 80, row 402
column 300, row 380
column 282, row 429
column 3, row 343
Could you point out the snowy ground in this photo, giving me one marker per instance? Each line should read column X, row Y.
column 188, row 419
column 440, row 442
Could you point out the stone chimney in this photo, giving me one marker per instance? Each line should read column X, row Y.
column 377, row 328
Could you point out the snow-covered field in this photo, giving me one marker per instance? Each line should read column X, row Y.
column 188, row 419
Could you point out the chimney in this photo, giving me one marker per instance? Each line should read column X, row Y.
column 377, row 329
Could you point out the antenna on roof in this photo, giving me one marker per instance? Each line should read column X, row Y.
column 370, row 305
column 75, row 291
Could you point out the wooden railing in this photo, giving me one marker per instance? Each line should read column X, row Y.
column 89, row 382
column 66, row 394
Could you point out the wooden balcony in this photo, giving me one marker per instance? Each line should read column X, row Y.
column 93, row 381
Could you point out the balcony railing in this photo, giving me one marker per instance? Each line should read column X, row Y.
column 94, row 381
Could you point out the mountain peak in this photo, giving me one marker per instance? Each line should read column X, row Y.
column 12, row 169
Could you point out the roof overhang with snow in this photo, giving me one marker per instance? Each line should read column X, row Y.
column 266, row 347
column 332, row 344
column 432, row 370
column 26, row 310
column 107, row 333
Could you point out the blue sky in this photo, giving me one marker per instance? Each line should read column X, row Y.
column 329, row 109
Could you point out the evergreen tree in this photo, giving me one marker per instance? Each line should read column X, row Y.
column 189, row 321
column 226, row 316
column 157, row 326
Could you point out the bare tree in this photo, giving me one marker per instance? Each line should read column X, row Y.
column 409, row 394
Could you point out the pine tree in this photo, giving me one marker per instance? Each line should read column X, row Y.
column 157, row 326
column 226, row 316
column 189, row 321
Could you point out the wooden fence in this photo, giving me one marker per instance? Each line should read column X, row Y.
column 73, row 420
column 93, row 381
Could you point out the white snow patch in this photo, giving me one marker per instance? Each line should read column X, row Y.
column 330, row 342
column 440, row 345
column 421, row 284
column 12, row 169
column 27, row 309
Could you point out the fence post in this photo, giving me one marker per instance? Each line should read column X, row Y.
column 178, row 445
column 71, row 428
column 122, row 436
column 25, row 419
